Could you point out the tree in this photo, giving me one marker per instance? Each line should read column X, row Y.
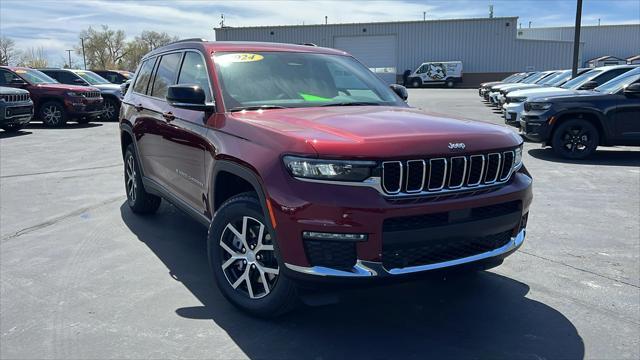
column 8, row 53
column 104, row 49
column 33, row 58
column 142, row 44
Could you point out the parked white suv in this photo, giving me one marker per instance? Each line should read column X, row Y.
column 514, row 103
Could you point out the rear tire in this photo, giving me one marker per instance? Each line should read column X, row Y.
column 112, row 109
column 245, row 260
column 52, row 114
column 416, row 83
column 140, row 201
column 450, row 83
column 575, row 139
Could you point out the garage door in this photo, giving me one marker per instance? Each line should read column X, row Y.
column 378, row 53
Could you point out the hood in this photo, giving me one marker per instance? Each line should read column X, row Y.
column 382, row 132
column 540, row 92
column 491, row 83
column 57, row 86
column 108, row 87
column 572, row 95
column 515, row 87
column 12, row 91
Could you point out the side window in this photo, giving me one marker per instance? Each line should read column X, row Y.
column 194, row 71
column 166, row 74
column 6, row 77
column 422, row 69
column 609, row 75
column 142, row 80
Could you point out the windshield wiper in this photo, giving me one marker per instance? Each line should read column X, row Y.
column 257, row 107
column 351, row 103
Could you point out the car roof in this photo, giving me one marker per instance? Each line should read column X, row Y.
column 611, row 67
column 243, row 46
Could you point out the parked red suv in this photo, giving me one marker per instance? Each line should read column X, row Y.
column 306, row 166
column 54, row 103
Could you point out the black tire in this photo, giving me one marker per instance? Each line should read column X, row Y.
column 450, row 83
column 280, row 294
column 52, row 114
column 112, row 109
column 140, row 201
column 575, row 139
column 13, row 127
column 416, row 83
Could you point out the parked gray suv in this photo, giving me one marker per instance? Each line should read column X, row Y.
column 111, row 93
column 16, row 108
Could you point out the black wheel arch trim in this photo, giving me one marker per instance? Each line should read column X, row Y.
column 567, row 115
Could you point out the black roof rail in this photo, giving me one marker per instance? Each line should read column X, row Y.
column 187, row 40
column 308, row 44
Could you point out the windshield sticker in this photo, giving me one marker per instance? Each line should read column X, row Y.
column 21, row 71
column 309, row 97
column 238, row 58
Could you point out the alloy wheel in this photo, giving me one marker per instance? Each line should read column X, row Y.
column 248, row 258
column 52, row 115
column 576, row 139
column 109, row 110
column 130, row 179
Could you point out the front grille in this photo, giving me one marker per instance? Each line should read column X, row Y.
column 333, row 254
column 451, row 249
column 453, row 173
column 15, row 97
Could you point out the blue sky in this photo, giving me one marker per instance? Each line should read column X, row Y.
column 55, row 25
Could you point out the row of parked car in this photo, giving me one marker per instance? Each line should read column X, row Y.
column 573, row 115
column 55, row 96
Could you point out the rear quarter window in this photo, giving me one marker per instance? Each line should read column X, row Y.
column 142, row 80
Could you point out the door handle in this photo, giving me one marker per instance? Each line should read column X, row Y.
column 168, row 116
column 139, row 107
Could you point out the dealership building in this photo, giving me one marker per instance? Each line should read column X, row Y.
column 490, row 48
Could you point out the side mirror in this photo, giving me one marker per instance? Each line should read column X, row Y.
column 589, row 85
column 80, row 82
column 190, row 97
column 632, row 89
column 124, row 87
column 400, row 90
column 17, row 81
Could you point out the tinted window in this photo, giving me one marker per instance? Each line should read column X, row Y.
column 142, row 80
column 609, row 75
column 6, row 77
column 166, row 74
column 64, row 77
column 194, row 71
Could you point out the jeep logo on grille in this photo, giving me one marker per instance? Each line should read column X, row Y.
column 456, row 146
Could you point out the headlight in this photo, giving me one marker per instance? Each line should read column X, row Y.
column 336, row 170
column 517, row 99
column 73, row 93
column 517, row 159
column 539, row 106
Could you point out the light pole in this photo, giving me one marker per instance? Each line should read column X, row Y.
column 69, row 53
column 576, row 39
column 84, row 59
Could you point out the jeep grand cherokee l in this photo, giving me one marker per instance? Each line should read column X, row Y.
column 54, row 103
column 576, row 124
column 305, row 166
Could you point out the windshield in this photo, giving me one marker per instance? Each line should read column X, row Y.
column 559, row 79
column 551, row 78
column 534, row 78
column 91, row 77
column 35, row 77
column 579, row 80
column 289, row 79
column 616, row 84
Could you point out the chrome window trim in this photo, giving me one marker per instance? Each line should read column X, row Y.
column 444, row 174
column 424, row 173
column 498, row 168
column 481, row 170
column 376, row 269
column 464, row 172
column 400, row 180
column 513, row 160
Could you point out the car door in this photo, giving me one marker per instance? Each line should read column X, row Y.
column 185, row 141
column 627, row 118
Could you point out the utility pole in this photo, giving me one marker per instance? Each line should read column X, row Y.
column 529, row 24
column 84, row 59
column 424, row 16
column 490, row 11
column 576, row 39
column 598, row 21
column 69, row 53
column 326, row 20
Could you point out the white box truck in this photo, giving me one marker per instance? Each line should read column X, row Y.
column 436, row 72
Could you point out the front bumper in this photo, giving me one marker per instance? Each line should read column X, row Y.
column 536, row 127
column 512, row 113
column 86, row 108
column 16, row 113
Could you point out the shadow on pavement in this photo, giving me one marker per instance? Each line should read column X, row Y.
column 482, row 315
column 66, row 126
column 600, row 157
column 11, row 134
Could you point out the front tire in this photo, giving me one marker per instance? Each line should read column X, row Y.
column 575, row 139
column 52, row 114
column 140, row 201
column 111, row 109
column 450, row 83
column 245, row 260
column 416, row 83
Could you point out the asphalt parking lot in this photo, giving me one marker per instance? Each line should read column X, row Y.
column 83, row 277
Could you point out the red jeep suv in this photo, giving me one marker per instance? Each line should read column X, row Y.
column 306, row 166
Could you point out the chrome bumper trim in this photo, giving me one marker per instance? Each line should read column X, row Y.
column 376, row 269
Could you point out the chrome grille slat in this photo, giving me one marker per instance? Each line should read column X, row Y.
column 15, row 97
column 447, row 174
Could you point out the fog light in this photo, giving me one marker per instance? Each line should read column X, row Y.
column 313, row 235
